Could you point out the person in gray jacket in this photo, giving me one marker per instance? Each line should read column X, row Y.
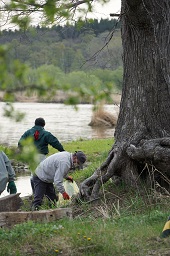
column 53, row 170
column 7, row 174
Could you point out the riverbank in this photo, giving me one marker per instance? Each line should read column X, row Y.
column 60, row 97
column 121, row 222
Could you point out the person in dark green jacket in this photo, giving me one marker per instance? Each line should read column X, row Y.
column 42, row 139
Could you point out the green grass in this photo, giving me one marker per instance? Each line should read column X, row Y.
column 132, row 235
column 123, row 222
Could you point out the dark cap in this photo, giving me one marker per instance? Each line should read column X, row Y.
column 40, row 121
column 81, row 157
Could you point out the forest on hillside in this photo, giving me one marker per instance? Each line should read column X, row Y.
column 87, row 54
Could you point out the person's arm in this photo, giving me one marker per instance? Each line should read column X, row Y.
column 61, row 169
column 58, row 179
column 9, row 168
column 23, row 137
column 54, row 142
column 11, row 188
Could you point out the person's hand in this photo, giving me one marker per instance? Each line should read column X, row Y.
column 65, row 196
column 69, row 178
column 11, row 188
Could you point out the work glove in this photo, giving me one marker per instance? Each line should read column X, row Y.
column 69, row 178
column 65, row 196
column 11, row 188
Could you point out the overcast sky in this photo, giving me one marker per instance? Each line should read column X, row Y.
column 104, row 11
column 100, row 11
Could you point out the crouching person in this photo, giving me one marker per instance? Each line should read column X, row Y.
column 7, row 174
column 53, row 170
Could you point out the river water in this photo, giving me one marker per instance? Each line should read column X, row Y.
column 63, row 121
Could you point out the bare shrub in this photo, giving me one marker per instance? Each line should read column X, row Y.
column 102, row 118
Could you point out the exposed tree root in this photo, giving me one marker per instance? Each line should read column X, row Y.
column 155, row 152
column 151, row 157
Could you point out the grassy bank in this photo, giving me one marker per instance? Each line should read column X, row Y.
column 122, row 222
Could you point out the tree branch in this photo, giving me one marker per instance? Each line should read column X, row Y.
column 40, row 7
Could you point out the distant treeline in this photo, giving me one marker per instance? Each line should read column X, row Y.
column 64, row 32
column 86, row 53
column 68, row 47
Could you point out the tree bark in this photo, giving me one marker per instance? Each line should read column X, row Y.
column 142, row 135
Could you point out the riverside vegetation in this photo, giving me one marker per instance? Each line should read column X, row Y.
column 122, row 222
column 53, row 62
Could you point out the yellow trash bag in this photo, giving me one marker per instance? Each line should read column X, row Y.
column 166, row 229
column 72, row 189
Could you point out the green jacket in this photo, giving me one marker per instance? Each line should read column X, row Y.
column 42, row 139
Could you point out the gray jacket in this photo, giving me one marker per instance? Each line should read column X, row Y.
column 55, row 168
column 6, row 171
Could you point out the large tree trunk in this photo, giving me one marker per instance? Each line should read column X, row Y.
column 142, row 136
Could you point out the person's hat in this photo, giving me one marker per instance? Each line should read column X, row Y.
column 40, row 121
column 81, row 157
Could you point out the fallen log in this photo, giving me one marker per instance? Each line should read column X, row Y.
column 8, row 219
column 10, row 203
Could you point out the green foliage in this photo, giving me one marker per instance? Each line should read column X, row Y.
column 51, row 10
column 68, row 56
column 10, row 112
column 64, row 46
column 57, row 55
column 23, row 22
column 85, row 86
column 79, row 86
column 12, row 73
column 110, row 78
column 28, row 154
column 55, row 60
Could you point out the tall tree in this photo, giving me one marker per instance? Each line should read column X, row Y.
column 142, row 137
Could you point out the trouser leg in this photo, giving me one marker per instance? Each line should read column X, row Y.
column 32, row 184
column 41, row 158
column 39, row 191
column 51, row 193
